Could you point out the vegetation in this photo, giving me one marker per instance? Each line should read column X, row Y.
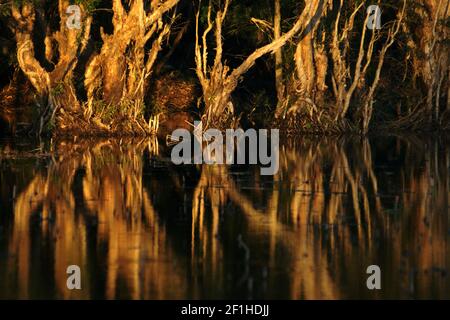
column 315, row 64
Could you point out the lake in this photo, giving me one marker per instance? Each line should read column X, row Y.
column 140, row 227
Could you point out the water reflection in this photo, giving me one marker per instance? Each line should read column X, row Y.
column 142, row 228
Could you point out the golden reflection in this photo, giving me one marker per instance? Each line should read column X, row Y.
column 310, row 232
column 114, row 203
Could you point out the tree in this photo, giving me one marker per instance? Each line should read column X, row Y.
column 344, row 83
column 115, row 77
column 217, row 80
column 432, row 63
column 310, row 63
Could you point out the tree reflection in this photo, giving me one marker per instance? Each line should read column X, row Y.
column 143, row 230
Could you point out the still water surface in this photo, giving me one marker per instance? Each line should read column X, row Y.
column 142, row 228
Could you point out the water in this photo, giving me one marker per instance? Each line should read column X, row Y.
column 142, row 228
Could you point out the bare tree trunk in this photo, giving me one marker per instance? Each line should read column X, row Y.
column 344, row 83
column 217, row 82
column 309, row 76
column 117, row 75
column 321, row 61
column 279, row 53
column 39, row 78
column 305, row 66
column 368, row 99
column 433, row 63
column 120, row 68
column 55, row 89
column 448, row 90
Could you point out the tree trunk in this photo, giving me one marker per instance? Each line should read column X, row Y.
column 55, row 89
column 305, row 67
column 217, row 83
column 120, row 71
column 279, row 53
column 117, row 75
column 309, row 76
column 433, row 61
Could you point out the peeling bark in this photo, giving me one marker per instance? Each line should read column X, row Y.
column 55, row 89
column 279, row 53
column 117, row 75
column 434, row 62
column 310, row 63
column 218, row 82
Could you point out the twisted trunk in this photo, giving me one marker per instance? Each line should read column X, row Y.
column 55, row 89
column 50, row 85
column 116, row 76
column 120, row 69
